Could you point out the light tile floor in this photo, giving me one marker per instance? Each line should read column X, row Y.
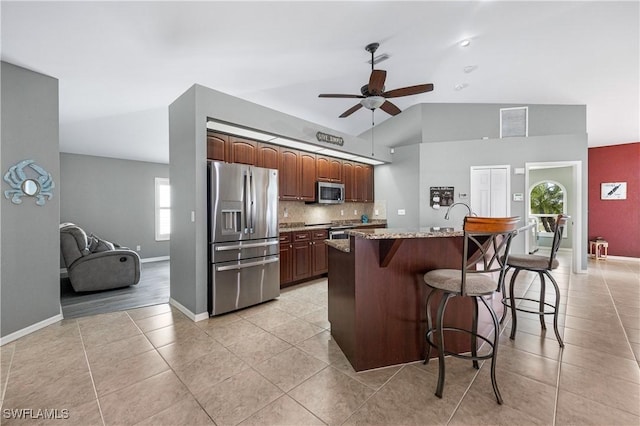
column 277, row 364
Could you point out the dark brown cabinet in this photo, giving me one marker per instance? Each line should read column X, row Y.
column 364, row 183
column 301, row 255
column 243, row 151
column 319, row 252
column 268, row 155
column 297, row 175
column 349, row 180
column 286, row 258
column 217, row 146
column 328, row 169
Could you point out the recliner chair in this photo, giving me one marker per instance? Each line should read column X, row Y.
column 95, row 264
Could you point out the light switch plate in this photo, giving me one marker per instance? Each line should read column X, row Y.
column 401, row 212
column 518, row 196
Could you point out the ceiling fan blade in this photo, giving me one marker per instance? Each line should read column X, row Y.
column 406, row 91
column 351, row 110
column 390, row 108
column 338, row 95
column 376, row 82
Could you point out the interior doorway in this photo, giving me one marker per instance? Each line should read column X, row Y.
column 538, row 172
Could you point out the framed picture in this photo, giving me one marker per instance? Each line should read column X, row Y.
column 613, row 191
column 513, row 122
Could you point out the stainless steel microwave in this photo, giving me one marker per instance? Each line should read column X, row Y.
column 329, row 193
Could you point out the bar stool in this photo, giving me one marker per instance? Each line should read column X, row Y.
column 542, row 265
column 486, row 248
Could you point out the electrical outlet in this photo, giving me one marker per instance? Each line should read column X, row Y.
column 401, row 212
column 138, row 248
column 355, row 212
column 286, row 212
column 341, row 212
column 376, row 212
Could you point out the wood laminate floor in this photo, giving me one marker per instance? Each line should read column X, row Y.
column 153, row 289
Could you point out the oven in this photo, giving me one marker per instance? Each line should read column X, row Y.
column 338, row 232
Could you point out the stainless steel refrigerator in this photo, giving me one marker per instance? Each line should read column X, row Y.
column 244, row 267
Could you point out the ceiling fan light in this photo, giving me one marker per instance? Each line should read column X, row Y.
column 372, row 102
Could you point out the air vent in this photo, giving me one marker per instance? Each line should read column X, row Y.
column 514, row 122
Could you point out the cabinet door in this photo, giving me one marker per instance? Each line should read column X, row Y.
column 335, row 170
column 286, row 258
column 323, row 168
column 301, row 260
column 348, row 177
column 217, row 146
column 307, row 176
column 364, row 183
column 243, row 151
column 319, row 253
column 267, row 155
column 288, row 165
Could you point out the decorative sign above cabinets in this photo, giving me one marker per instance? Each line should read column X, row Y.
column 325, row 137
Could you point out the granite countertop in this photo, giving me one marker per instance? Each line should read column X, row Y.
column 300, row 226
column 342, row 244
column 398, row 233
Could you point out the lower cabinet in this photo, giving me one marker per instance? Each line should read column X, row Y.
column 303, row 254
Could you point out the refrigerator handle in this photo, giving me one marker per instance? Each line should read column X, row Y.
column 245, row 199
column 252, row 205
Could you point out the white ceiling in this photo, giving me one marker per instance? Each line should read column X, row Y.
column 120, row 64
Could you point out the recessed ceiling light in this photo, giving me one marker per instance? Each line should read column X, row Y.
column 460, row 86
column 469, row 68
column 464, row 43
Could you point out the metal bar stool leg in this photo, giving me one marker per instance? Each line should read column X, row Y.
column 512, row 301
column 474, row 333
column 494, row 349
column 430, row 328
column 543, row 289
column 556, row 309
column 439, row 326
column 503, row 291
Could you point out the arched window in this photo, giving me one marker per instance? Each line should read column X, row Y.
column 548, row 200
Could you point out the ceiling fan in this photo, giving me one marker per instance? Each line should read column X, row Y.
column 373, row 94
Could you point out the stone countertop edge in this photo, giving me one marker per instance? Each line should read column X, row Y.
column 342, row 245
column 301, row 226
column 399, row 233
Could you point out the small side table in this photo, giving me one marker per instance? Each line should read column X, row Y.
column 599, row 249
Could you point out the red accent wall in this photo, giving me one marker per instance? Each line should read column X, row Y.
column 617, row 221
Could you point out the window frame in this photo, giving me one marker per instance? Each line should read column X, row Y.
column 158, row 184
column 539, row 215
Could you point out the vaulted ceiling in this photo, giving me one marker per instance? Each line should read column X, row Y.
column 120, row 64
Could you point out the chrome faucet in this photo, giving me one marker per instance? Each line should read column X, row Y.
column 446, row 215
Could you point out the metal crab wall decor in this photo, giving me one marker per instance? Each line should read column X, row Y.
column 23, row 186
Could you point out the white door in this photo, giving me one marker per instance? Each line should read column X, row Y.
column 490, row 188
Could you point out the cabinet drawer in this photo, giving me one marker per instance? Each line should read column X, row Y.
column 285, row 237
column 320, row 234
column 302, row 236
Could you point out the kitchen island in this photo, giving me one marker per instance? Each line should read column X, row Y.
column 377, row 294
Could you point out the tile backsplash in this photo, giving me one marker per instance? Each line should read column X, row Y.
column 296, row 212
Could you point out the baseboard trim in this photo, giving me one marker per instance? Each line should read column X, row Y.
column 30, row 329
column 193, row 317
column 629, row 259
column 154, row 259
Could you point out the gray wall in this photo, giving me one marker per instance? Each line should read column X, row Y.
column 398, row 183
column 455, row 122
column 30, row 241
column 113, row 199
column 564, row 176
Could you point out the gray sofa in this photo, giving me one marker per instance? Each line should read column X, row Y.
column 95, row 264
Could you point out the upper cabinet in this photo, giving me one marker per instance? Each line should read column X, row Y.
column 217, row 146
column 243, row 151
column 297, row 175
column 268, row 155
column 328, row 169
column 298, row 170
column 358, row 182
